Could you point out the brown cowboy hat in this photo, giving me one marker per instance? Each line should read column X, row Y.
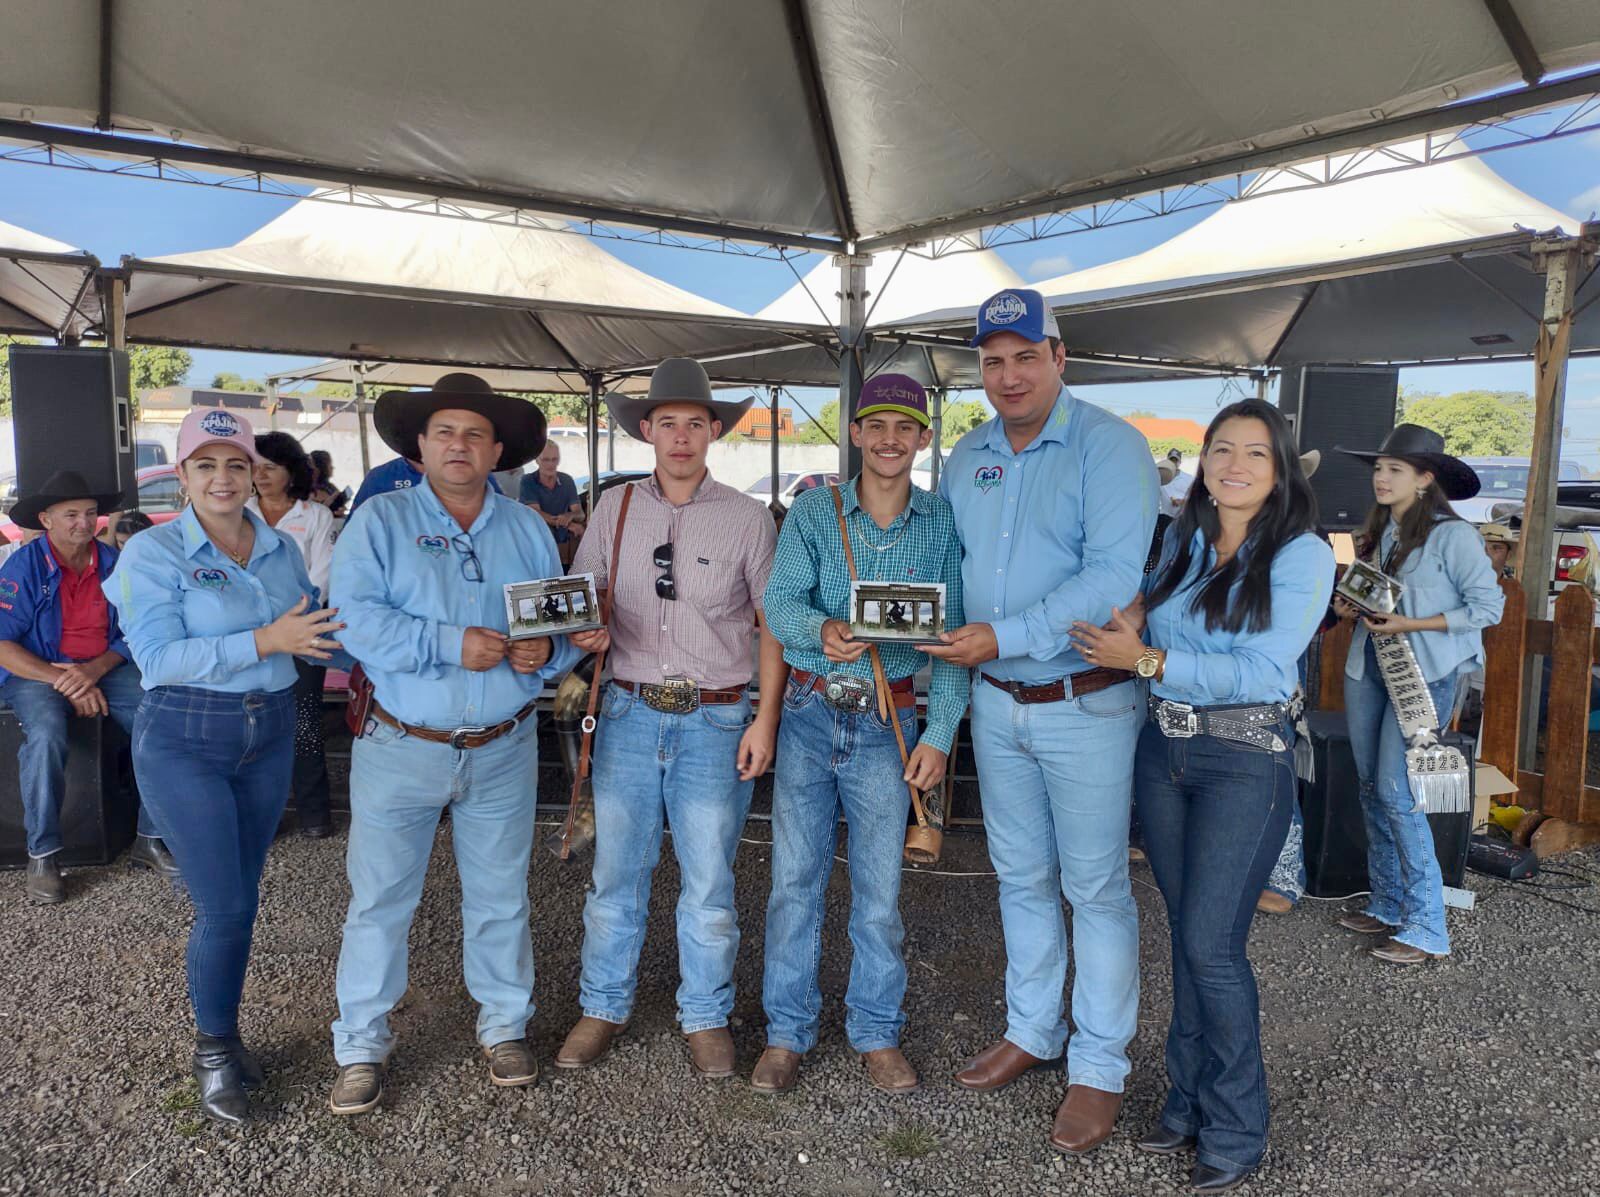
column 61, row 487
column 676, row 380
column 402, row 416
column 1424, row 448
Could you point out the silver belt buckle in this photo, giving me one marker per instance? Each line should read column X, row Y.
column 459, row 736
column 848, row 693
column 1177, row 720
column 673, row 696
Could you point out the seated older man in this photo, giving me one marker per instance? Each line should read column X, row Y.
column 61, row 654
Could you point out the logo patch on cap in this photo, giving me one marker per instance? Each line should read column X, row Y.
column 434, row 546
column 987, row 478
column 1005, row 308
column 211, row 579
column 219, row 424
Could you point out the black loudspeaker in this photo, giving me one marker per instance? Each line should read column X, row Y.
column 1336, row 405
column 100, row 808
column 1336, row 834
column 70, row 411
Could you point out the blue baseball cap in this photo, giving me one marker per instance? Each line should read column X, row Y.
column 1019, row 310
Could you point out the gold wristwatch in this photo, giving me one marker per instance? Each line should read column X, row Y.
column 1149, row 661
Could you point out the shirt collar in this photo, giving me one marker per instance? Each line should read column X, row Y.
column 1055, row 426
column 58, row 564
column 654, row 488
column 852, row 501
column 431, row 498
column 195, row 538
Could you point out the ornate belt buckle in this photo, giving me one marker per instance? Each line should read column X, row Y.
column 458, row 737
column 674, row 696
column 848, row 693
column 1177, row 720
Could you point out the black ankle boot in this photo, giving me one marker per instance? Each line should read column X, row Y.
column 221, row 1080
column 250, row 1071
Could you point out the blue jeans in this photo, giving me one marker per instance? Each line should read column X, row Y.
column 214, row 770
column 1288, row 877
column 828, row 760
column 1214, row 815
column 1402, row 869
column 399, row 784
column 42, row 761
column 647, row 764
column 1056, row 780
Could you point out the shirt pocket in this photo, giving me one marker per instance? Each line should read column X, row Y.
column 714, row 584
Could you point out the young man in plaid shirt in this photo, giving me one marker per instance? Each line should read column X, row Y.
column 835, row 751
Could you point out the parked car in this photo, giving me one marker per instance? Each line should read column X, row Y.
column 608, row 479
column 790, row 485
column 1504, row 479
column 158, row 497
column 145, row 455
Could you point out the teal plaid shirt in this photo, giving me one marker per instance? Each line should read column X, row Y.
column 810, row 585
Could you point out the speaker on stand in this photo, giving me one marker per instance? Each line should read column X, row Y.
column 1353, row 407
column 71, row 410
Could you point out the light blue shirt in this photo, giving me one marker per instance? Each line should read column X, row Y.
column 190, row 613
column 1449, row 574
column 1215, row 668
column 1053, row 534
column 400, row 584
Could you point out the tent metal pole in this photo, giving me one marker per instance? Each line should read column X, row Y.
column 772, row 400
column 271, row 402
column 611, row 445
column 1560, row 260
column 1261, row 387
column 593, row 440
column 937, row 464
column 114, row 308
column 361, row 419
column 852, row 333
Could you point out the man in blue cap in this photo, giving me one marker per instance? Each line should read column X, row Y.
column 1055, row 501
column 836, row 751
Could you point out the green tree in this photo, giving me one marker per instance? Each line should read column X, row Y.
column 228, row 381
column 961, row 418
column 5, row 369
column 1140, row 414
column 1162, row 445
column 333, row 390
column 823, row 430
column 1476, row 423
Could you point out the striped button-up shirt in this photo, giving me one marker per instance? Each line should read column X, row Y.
column 722, row 544
column 810, row 585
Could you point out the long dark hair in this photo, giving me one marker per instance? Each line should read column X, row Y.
column 1290, row 510
column 1411, row 529
column 282, row 449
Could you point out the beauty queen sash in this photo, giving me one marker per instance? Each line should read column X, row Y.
column 1440, row 783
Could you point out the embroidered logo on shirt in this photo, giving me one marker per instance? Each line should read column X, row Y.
column 434, row 546
column 211, row 579
column 1006, row 309
column 987, row 478
column 219, row 423
column 8, row 587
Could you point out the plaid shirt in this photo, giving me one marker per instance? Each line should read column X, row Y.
column 810, row 585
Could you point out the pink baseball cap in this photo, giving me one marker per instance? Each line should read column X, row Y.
column 207, row 425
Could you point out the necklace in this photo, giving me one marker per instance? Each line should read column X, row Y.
column 238, row 557
column 887, row 545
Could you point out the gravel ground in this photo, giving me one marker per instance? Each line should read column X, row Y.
column 1478, row 1075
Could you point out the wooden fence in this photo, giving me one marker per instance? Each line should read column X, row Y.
column 1573, row 646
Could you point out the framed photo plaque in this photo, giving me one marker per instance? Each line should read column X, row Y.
column 551, row 606
column 897, row 612
column 1368, row 589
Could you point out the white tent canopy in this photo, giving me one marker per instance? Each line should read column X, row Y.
column 837, row 119
column 388, row 375
column 356, row 282
column 1422, row 265
column 46, row 286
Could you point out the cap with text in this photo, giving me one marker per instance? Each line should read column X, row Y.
column 1018, row 310
column 211, row 425
column 898, row 393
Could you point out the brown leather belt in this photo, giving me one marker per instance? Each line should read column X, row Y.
column 902, row 691
column 1075, row 686
column 459, row 738
column 706, row 698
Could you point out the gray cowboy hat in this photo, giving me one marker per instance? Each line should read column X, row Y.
column 676, row 380
column 1424, row 448
column 61, row 487
column 402, row 416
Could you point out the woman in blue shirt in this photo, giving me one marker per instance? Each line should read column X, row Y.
column 215, row 605
column 1451, row 594
column 1241, row 586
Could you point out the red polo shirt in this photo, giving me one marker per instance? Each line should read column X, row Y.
column 85, row 617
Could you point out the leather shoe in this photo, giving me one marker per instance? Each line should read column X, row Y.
column 1272, row 902
column 44, row 883
column 316, row 827
column 1084, row 1120
column 1395, row 952
column 589, row 1039
column 216, row 1071
column 357, row 1089
column 889, row 1070
column 1163, row 1140
column 1364, row 924
column 511, row 1064
column 997, row 1065
column 150, row 853
column 711, row 1052
column 776, row 1071
column 250, row 1072
column 1206, row 1179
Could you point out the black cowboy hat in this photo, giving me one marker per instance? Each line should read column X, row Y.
column 61, row 487
column 1424, row 448
column 402, row 416
column 676, row 380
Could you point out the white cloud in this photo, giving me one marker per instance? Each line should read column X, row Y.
column 1049, row 266
column 1585, row 204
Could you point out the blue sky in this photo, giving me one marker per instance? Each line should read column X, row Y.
column 112, row 215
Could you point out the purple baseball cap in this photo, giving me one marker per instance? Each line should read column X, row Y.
column 1017, row 310
column 898, row 393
